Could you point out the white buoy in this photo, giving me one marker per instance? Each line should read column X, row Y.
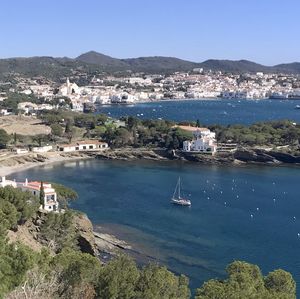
column 294, row 217
column 274, row 199
column 207, row 197
column 237, row 196
column 251, row 215
column 221, row 192
column 225, row 203
column 298, row 234
column 253, row 190
column 257, row 209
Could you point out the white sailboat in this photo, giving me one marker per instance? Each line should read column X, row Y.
column 177, row 199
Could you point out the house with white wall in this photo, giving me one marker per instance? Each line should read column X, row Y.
column 204, row 140
column 50, row 199
column 42, row 149
column 86, row 145
column 4, row 182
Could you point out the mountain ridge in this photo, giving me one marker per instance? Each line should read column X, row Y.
column 93, row 61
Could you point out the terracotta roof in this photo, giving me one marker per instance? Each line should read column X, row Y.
column 35, row 185
column 66, row 145
column 89, row 142
column 82, row 142
column 191, row 129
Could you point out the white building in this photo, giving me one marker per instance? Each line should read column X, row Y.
column 50, row 198
column 42, row 149
column 20, row 150
column 68, row 88
column 204, row 140
column 123, row 98
column 4, row 182
column 5, row 112
column 86, row 145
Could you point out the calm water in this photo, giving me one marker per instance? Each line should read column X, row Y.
column 132, row 200
column 211, row 111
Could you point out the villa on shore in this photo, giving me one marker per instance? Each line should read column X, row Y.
column 50, row 197
column 204, row 140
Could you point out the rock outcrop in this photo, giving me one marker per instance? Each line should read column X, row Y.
column 86, row 238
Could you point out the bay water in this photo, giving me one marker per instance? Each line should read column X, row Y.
column 210, row 111
column 246, row 213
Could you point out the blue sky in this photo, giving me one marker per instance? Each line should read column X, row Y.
column 265, row 31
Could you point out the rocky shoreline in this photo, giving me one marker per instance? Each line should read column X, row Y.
column 239, row 157
column 13, row 163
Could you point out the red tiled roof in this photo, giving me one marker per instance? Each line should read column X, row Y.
column 191, row 129
column 83, row 142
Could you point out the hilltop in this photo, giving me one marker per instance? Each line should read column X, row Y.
column 94, row 62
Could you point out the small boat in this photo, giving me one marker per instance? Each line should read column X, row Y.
column 177, row 199
column 297, row 107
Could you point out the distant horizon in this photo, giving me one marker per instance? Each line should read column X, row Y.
column 132, row 57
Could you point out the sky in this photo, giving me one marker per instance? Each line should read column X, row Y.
column 264, row 31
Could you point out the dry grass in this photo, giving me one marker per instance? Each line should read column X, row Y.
column 23, row 125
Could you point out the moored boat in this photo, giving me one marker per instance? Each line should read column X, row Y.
column 177, row 199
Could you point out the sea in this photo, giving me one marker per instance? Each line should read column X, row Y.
column 249, row 213
column 210, row 111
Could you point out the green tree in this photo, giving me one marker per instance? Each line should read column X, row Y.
column 15, row 260
column 158, row 282
column 118, row 279
column 57, row 130
column 64, row 194
column 15, row 139
column 76, row 270
column 4, row 138
column 281, row 283
column 246, row 281
column 58, row 231
column 25, row 203
column 9, row 215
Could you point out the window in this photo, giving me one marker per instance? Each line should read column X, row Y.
column 77, row 148
column 91, row 147
column 84, row 147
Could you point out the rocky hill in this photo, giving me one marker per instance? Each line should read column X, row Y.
column 92, row 62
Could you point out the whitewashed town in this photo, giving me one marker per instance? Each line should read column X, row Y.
column 140, row 87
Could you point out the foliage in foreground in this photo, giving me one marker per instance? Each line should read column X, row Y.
column 246, row 281
column 72, row 274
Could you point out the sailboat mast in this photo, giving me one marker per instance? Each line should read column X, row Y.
column 179, row 187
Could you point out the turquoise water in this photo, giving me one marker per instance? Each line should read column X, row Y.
column 211, row 111
column 133, row 201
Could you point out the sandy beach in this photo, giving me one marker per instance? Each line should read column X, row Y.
column 11, row 162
